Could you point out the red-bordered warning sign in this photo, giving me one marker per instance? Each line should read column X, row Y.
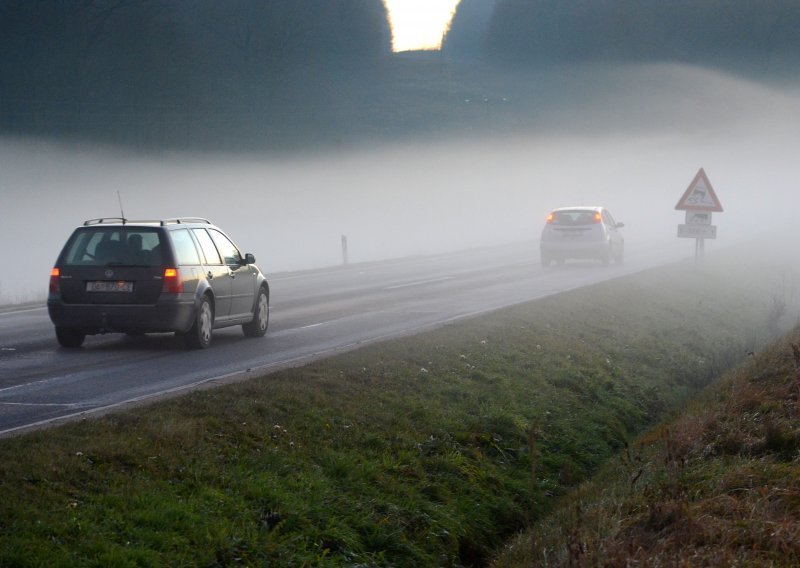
column 699, row 196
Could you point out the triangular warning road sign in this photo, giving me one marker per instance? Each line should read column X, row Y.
column 699, row 196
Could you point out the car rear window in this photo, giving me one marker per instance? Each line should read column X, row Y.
column 573, row 217
column 114, row 246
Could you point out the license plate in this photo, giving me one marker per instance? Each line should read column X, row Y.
column 106, row 286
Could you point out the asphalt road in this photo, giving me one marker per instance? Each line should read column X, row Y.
column 313, row 314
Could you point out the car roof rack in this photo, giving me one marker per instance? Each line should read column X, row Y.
column 162, row 222
column 101, row 220
column 179, row 220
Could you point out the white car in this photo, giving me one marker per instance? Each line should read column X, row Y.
column 581, row 232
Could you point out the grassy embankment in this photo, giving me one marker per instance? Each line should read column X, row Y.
column 412, row 452
column 717, row 485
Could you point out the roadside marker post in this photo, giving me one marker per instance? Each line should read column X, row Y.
column 699, row 201
column 345, row 260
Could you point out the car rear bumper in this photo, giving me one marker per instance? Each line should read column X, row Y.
column 596, row 249
column 101, row 318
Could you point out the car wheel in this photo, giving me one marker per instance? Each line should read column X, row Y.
column 199, row 336
column 258, row 326
column 70, row 337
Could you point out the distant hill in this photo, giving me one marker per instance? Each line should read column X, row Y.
column 468, row 30
column 88, row 68
column 285, row 74
column 709, row 32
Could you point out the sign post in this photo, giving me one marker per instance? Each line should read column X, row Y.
column 344, row 250
column 699, row 201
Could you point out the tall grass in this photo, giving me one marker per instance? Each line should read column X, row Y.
column 717, row 485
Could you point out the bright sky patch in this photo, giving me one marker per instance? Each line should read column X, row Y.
column 419, row 24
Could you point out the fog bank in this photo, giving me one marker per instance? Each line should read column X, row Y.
column 633, row 152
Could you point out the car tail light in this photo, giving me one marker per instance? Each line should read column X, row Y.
column 55, row 280
column 172, row 281
column 550, row 218
column 597, row 217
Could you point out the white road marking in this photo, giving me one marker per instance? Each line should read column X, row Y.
column 317, row 324
column 13, row 312
column 419, row 282
column 62, row 404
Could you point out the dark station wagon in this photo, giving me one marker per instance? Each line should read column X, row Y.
column 174, row 275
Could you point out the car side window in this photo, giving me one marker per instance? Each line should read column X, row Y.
column 608, row 219
column 209, row 250
column 185, row 250
column 230, row 253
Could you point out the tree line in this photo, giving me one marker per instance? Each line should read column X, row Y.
column 720, row 33
column 243, row 73
column 161, row 69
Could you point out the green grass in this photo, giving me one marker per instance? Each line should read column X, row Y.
column 717, row 484
column 413, row 452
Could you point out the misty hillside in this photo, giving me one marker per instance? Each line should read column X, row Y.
column 468, row 30
column 253, row 75
column 744, row 34
column 202, row 68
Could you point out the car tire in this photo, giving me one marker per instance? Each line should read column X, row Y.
column 70, row 337
column 199, row 336
column 258, row 326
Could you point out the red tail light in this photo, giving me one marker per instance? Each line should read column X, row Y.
column 597, row 217
column 550, row 218
column 172, row 281
column 55, row 283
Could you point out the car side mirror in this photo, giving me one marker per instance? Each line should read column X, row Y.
column 620, row 225
column 249, row 259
